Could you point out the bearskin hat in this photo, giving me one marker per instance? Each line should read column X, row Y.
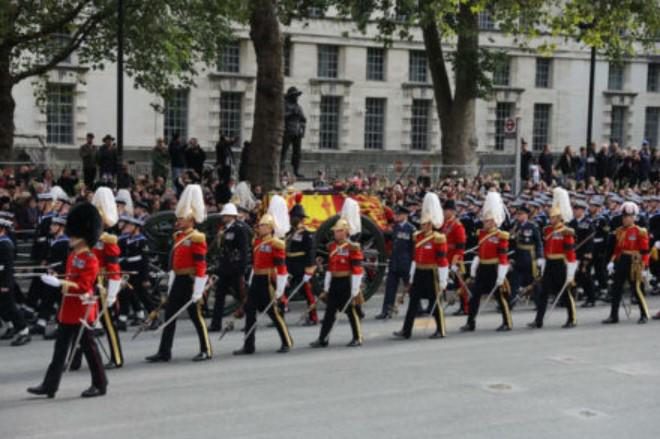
column 84, row 222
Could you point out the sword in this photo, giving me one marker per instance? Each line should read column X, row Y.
column 554, row 304
column 263, row 313
column 459, row 276
column 174, row 316
column 490, row 295
column 83, row 326
column 153, row 315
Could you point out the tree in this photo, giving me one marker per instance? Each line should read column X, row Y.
column 619, row 28
column 168, row 42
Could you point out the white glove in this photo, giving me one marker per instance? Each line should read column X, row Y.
column 571, row 268
column 198, row 288
column 356, row 280
column 501, row 274
column 113, row 291
column 610, row 268
column 326, row 281
column 250, row 278
column 306, row 278
column 540, row 263
column 657, row 244
column 170, row 281
column 443, row 276
column 413, row 267
column 454, row 268
column 474, row 266
column 646, row 275
column 51, row 281
column 280, row 285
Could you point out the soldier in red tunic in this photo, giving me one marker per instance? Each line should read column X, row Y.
column 78, row 303
column 630, row 262
column 268, row 265
column 489, row 268
column 187, row 276
column 454, row 231
column 560, row 264
column 342, row 284
column 429, row 271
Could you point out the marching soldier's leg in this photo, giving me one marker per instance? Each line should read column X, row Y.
column 643, row 307
column 440, row 327
column 95, row 364
column 507, row 323
column 313, row 317
column 113, row 338
column 174, row 303
column 621, row 273
column 205, row 350
column 219, row 306
column 51, row 296
column 282, row 329
column 391, row 285
column 570, row 309
column 542, row 302
column 411, row 313
column 124, row 300
column 250, row 320
column 354, row 320
column 51, row 382
column 328, row 318
column 473, row 306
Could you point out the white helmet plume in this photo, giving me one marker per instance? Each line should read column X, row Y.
column 279, row 210
column 350, row 212
column 104, row 201
column 432, row 211
column 191, row 204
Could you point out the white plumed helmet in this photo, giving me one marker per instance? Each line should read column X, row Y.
column 432, row 211
column 350, row 212
column 630, row 208
column 493, row 208
column 279, row 211
column 561, row 204
column 104, row 201
column 124, row 196
column 191, row 204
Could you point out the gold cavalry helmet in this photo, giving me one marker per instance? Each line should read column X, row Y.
column 341, row 224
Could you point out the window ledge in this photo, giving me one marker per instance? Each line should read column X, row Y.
column 620, row 93
column 508, row 88
column 409, row 85
column 72, row 67
column 227, row 75
column 316, row 81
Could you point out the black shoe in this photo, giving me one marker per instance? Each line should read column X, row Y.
column 50, row 335
column 202, row 356
column 158, row 358
column 569, row 325
column 243, row 351
column 610, row 321
column 384, row 316
column 657, row 316
column 121, row 326
column 21, row 340
column 467, row 328
column 436, row 334
column 459, row 312
column 642, row 320
column 319, row 344
column 284, row 349
column 92, row 392
column 534, row 325
column 354, row 343
column 9, row 334
column 588, row 305
column 401, row 335
column 503, row 328
column 37, row 330
column 40, row 390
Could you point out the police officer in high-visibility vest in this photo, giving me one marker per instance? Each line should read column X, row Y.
column 490, row 266
column 341, row 285
column 560, row 264
column 429, row 271
column 629, row 262
column 268, row 267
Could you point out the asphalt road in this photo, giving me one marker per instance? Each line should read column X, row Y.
column 591, row 381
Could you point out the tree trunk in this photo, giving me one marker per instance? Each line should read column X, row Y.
column 7, row 107
column 457, row 114
column 268, row 127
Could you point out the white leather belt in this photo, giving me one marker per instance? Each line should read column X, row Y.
column 42, row 239
column 134, row 258
column 598, row 239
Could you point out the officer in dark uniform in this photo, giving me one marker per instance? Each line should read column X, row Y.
column 58, row 252
column 300, row 258
column 134, row 247
column 8, row 310
column 527, row 248
column 584, row 234
column 233, row 250
column 600, row 246
column 40, row 249
column 403, row 250
column 294, row 129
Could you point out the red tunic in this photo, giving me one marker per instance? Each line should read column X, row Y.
column 345, row 257
column 430, row 250
column 189, row 254
column 268, row 256
column 632, row 240
column 559, row 243
column 107, row 252
column 82, row 268
column 493, row 247
column 454, row 231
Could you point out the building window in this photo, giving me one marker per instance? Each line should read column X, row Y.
column 230, row 58
column 543, row 73
column 230, row 115
column 286, row 55
column 59, row 41
column 502, row 72
column 176, row 115
column 486, row 21
column 375, row 64
column 328, row 61
column 653, row 78
column 419, row 124
column 541, row 129
column 615, row 76
column 315, row 12
column 417, row 66
column 618, row 125
column 374, row 123
column 329, row 122
column 503, row 111
column 651, row 126
column 59, row 114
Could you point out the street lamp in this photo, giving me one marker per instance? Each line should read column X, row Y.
column 592, row 75
column 120, row 80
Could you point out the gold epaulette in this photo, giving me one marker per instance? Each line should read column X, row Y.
column 503, row 235
column 108, row 238
column 416, row 234
column 197, row 237
column 567, row 231
column 642, row 231
column 439, row 238
column 354, row 245
column 278, row 244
